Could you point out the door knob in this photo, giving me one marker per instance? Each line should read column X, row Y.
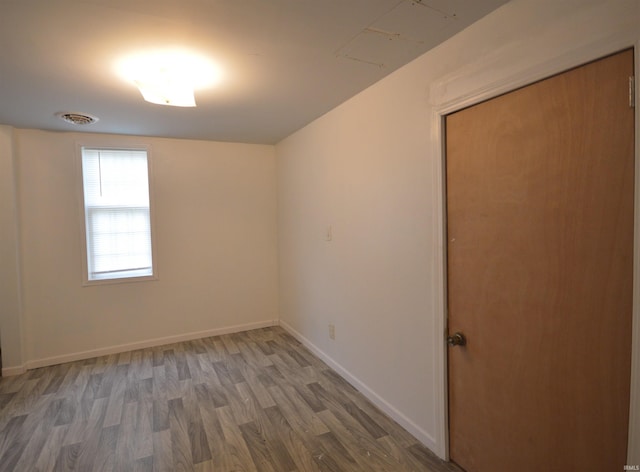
column 457, row 339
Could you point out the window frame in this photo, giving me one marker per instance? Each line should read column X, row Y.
column 86, row 281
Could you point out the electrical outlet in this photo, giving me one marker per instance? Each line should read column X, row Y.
column 329, row 234
column 332, row 331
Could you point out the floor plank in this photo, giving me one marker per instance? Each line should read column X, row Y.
column 251, row 401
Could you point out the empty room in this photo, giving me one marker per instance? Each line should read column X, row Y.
column 342, row 235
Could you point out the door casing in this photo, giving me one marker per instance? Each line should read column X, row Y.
column 463, row 99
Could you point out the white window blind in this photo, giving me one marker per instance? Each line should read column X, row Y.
column 117, row 216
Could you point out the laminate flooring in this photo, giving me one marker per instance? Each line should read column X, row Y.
column 251, row 401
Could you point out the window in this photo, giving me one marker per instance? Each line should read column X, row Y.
column 117, row 214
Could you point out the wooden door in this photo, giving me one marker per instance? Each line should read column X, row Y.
column 540, row 189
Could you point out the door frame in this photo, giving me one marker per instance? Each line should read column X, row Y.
column 454, row 93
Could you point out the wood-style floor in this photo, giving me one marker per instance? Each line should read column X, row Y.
column 252, row 401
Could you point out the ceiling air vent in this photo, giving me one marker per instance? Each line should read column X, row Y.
column 77, row 118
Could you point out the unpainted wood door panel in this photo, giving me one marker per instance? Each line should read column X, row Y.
column 540, row 189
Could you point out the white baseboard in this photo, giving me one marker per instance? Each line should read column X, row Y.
column 15, row 370
column 419, row 433
column 77, row 356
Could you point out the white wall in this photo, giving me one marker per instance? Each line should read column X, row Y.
column 11, row 334
column 368, row 169
column 215, row 209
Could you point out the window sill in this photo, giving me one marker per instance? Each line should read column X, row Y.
column 120, row 280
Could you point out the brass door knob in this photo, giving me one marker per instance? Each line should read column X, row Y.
column 457, row 339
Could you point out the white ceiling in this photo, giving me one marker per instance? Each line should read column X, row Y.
column 286, row 62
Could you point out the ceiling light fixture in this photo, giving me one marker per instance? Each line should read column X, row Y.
column 169, row 77
column 166, row 86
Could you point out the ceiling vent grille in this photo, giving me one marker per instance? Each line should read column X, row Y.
column 77, row 118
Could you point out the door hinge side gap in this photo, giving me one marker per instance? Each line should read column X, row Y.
column 632, row 92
